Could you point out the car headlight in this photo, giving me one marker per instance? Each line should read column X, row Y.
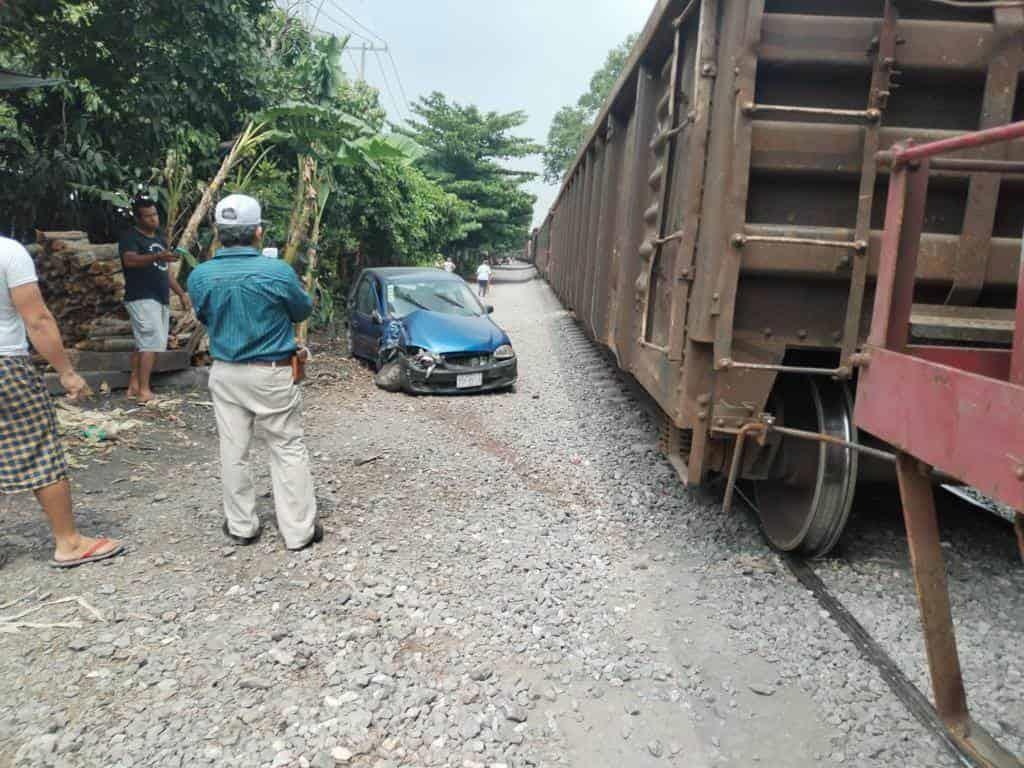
column 504, row 352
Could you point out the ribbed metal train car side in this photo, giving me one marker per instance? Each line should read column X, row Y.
column 726, row 212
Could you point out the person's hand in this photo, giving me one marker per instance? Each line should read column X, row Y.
column 75, row 386
column 168, row 257
column 186, row 302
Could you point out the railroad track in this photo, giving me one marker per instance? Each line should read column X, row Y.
column 915, row 701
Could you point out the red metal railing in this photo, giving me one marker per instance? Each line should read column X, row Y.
column 955, row 409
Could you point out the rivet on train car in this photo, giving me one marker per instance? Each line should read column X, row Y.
column 844, row 262
column 704, row 399
column 801, row 334
column 738, row 241
column 874, row 115
column 720, row 422
column 837, row 335
column 708, row 70
column 861, row 247
column 748, row 108
column 1020, row 473
column 767, row 333
column 725, row 363
column 702, row 416
column 716, row 296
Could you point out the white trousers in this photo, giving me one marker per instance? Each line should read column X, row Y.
column 249, row 396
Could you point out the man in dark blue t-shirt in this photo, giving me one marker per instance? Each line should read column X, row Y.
column 148, row 283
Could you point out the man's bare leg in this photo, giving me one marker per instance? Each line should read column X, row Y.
column 133, row 383
column 146, row 362
column 70, row 544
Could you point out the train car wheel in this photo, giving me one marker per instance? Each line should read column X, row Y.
column 805, row 501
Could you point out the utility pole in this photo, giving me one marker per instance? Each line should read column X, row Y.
column 364, row 49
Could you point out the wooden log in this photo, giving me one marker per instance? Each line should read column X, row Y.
column 44, row 236
column 111, row 332
column 106, row 345
column 104, row 268
column 84, row 255
column 173, row 360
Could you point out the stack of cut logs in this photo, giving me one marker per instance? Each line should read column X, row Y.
column 83, row 285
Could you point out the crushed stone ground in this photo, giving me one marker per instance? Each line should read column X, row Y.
column 507, row 580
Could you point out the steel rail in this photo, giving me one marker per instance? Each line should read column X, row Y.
column 913, row 153
column 915, row 701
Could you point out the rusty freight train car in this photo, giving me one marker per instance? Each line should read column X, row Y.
column 720, row 231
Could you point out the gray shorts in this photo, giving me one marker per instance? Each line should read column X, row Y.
column 151, row 324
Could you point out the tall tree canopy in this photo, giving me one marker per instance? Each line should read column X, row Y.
column 571, row 124
column 139, row 76
column 152, row 91
column 466, row 152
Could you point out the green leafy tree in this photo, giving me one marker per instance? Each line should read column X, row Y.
column 466, row 151
column 154, row 93
column 572, row 124
column 139, row 76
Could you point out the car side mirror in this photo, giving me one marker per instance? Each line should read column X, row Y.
column 489, row 308
column 377, row 319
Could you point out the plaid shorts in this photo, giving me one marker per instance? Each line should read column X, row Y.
column 31, row 456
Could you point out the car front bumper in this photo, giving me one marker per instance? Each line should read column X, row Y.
column 443, row 379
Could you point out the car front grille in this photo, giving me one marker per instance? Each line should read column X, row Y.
column 476, row 360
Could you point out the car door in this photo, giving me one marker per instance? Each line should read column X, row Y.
column 365, row 332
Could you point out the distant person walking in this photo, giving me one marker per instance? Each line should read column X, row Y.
column 449, row 265
column 147, row 293
column 31, row 456
column 483, row 278
column 249, row 305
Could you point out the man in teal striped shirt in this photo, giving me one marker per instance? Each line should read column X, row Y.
column 249, row 305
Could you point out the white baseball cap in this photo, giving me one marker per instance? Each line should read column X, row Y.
column 238, row 211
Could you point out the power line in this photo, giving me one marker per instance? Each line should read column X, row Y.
column 387, row 84
column 394, row 65
column 398, row 77
column 344, row 28
column 357, row 22
column 368, row 47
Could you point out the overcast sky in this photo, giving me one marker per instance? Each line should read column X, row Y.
column 534, row 55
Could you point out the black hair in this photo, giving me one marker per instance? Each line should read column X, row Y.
column 141, row 203
column 232, row 235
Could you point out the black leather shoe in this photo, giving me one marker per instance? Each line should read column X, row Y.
column 318, row 536
column 241, row 541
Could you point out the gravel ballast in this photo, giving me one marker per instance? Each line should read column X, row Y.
column 506, row 580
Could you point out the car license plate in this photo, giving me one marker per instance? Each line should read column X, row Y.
column 469, row 380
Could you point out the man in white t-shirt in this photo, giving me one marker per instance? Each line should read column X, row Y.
column 483, row 277
column 31, row 456
column 449, row 265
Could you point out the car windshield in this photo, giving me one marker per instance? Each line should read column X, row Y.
column 449, row 297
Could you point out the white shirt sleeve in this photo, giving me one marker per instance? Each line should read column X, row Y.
column 17, row 264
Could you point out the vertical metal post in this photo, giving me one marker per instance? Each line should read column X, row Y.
column 932, row 591
column 1017, row 354
column 878, row 100
column 901, row 240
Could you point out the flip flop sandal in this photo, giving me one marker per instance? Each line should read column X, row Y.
column 90, row 555
column 241, row 541
column 318, row 536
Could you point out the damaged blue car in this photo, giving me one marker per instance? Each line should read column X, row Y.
column 425, row 332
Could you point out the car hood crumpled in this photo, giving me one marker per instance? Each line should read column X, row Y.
column 445, row 334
